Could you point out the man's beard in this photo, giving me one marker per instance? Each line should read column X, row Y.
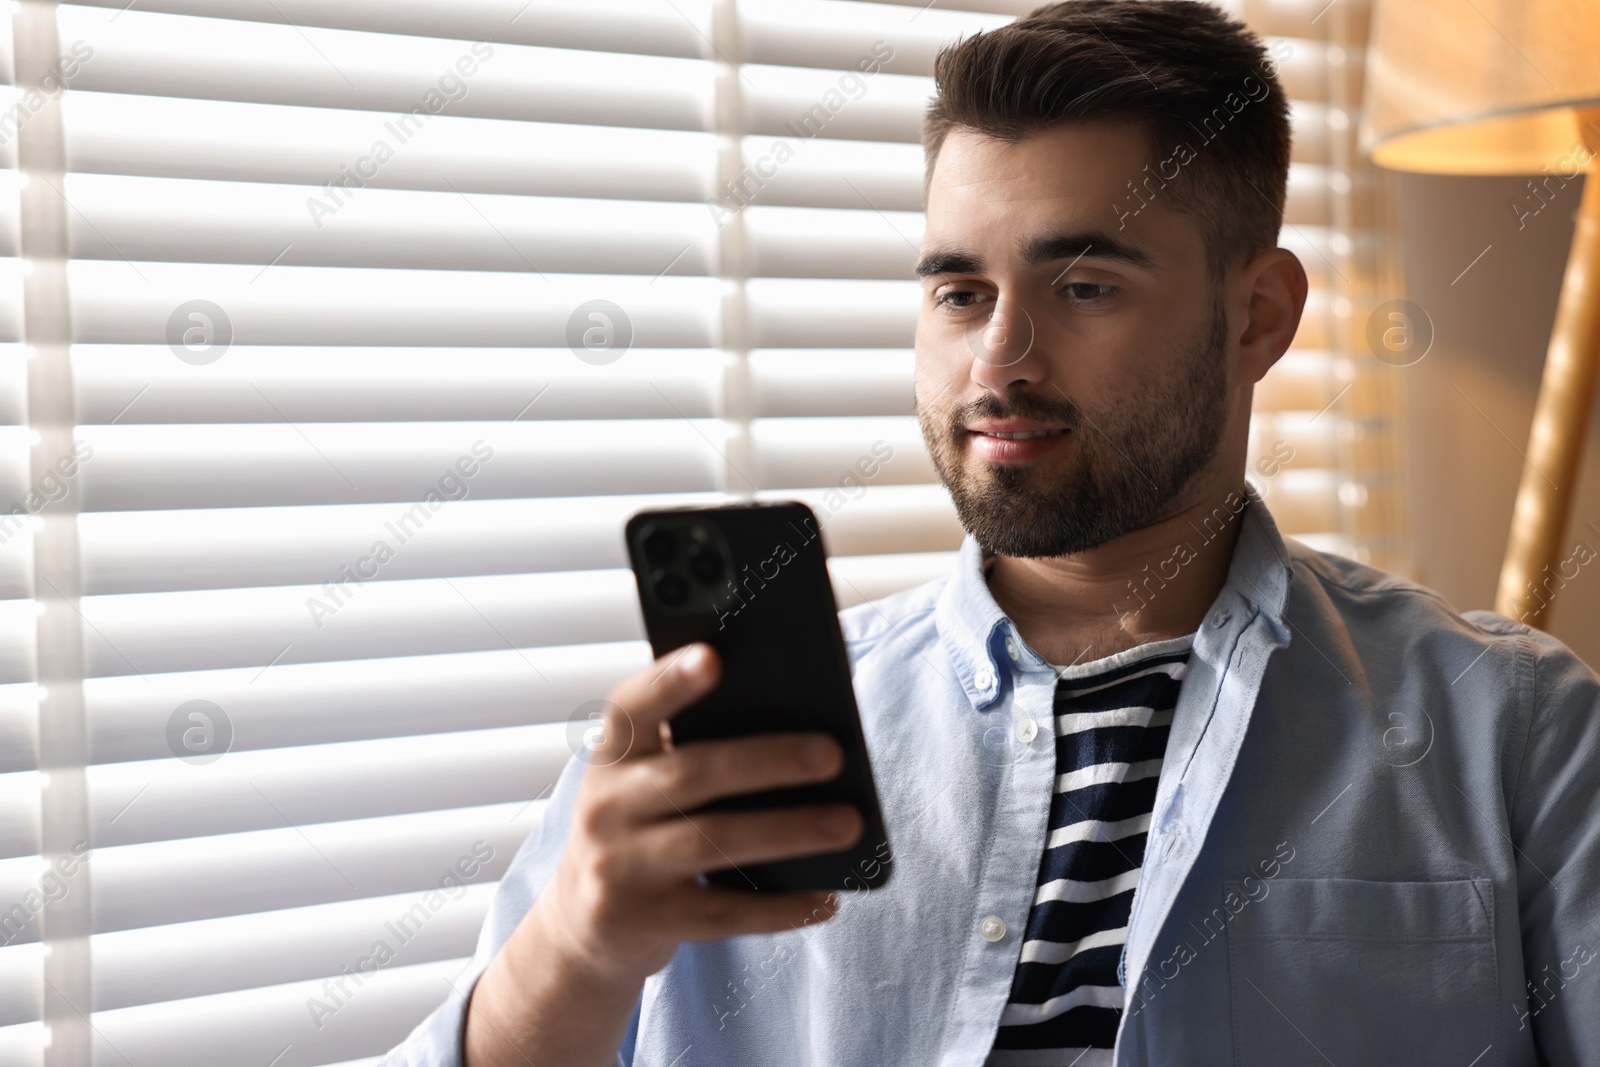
column 1127, row 464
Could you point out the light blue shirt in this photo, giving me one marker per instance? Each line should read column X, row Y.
column 1376, row 840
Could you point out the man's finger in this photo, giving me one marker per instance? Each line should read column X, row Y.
column 702, row 771
column 716, row 840
column 645, row 699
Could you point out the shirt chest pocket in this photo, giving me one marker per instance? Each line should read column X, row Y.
column 1350, row 972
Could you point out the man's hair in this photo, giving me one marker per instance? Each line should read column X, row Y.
column 1201, row 85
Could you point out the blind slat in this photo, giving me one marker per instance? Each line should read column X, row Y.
column 259, row 464
column 237, row 874
column 137, row 803
column 256, row 1026
column 196, row 959
column 143, row 384
column 635, row 27
column 231, row 141
column 146, row 633
column 157, row 54
column 118, row 302
column 355, row 700
column 165, row 219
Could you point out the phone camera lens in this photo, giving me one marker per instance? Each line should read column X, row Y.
column 705, row 563
column 671, row 590
column 660, row 545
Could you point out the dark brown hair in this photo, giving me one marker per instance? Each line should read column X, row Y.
column 1200, row 83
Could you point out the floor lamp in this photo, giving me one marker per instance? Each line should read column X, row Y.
column 1509, row 87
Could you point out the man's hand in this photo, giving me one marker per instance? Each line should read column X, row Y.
column 626, row 891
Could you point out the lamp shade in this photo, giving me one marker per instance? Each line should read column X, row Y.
column 1483, row 86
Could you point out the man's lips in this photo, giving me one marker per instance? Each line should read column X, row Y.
column 1013, row 440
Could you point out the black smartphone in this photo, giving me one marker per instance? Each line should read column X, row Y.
column 751, row 580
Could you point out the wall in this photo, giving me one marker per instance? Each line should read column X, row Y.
column 1470, row 401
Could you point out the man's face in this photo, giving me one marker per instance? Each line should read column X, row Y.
column 1054, row 307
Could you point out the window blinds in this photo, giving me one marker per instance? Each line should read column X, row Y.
column 362, row 325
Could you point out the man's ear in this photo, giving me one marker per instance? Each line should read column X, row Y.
column 1275, row 286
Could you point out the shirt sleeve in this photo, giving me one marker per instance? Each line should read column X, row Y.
column 1555, row 824
column 437, row 1040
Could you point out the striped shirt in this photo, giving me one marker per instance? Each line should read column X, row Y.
column 1112, row 719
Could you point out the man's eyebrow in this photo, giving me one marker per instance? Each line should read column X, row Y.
column 1048, row 248
column 1091, row 244
column 948, row 261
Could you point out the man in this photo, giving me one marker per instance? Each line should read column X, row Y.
column 1161, row 786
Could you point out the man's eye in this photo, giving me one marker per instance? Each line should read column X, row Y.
column 1089, row 291
column 950, row 299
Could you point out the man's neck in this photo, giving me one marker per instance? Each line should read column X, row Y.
column 1152, row 583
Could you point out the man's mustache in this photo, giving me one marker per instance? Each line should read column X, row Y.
column 1034, row 408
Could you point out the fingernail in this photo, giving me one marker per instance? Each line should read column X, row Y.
column 817, row 753
column 693, row 660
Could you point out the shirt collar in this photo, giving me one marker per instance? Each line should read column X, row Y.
column 975, row 631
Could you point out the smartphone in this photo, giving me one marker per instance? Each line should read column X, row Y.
column 751, row 580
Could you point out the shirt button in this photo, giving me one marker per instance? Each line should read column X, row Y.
column 993, row 928
column 1027, row 729
column 1220, row 619
column 1012, row 648
column 983, row 678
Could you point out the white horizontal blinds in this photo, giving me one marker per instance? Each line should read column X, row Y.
column 400, row 331
column 1323, row 445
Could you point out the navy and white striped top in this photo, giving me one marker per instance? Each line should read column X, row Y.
column 1112, row 719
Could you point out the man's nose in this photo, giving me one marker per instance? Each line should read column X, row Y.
column 1003, row 346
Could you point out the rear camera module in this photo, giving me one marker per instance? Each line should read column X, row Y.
column 684, row 565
